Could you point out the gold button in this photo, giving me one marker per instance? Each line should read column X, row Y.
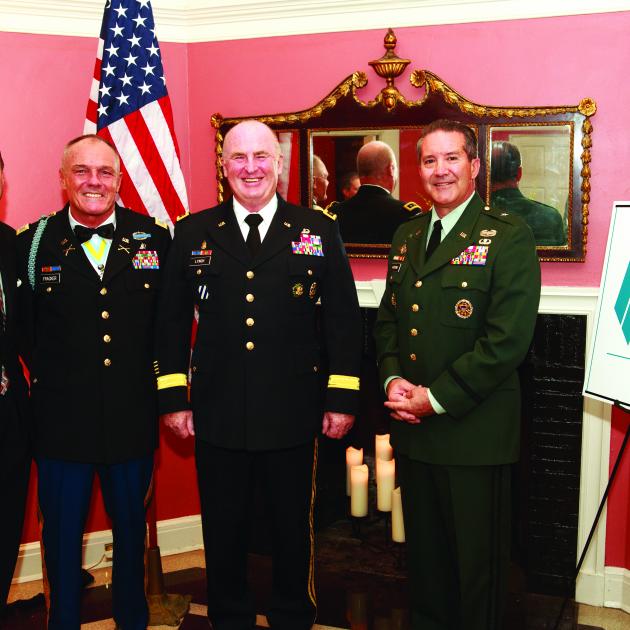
column 249, row 345
column 415, row 308
column 107, row 362
column 105, row 315
column 147, row 285
column 464, row 284
column 48, row 289
column 106, row 338
column 250, row 275
column 249, row 297
column 412, row 357
column 198, row 272
column 103, row 291
column 418, row 284
column 414, row 332
column 249, row 321
column 315, row 368
column 310, row 272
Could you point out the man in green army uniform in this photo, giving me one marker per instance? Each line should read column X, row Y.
column 456, row 320
column 506, row 172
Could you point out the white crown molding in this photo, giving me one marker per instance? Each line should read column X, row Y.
column 190, row 21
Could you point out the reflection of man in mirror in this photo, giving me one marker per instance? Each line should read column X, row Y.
column 320, row 182
column 506, row 172
column 373, row 214
column 349, row 185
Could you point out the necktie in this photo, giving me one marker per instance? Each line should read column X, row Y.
column 435, row 239
column 84, row 234
column 253, row 236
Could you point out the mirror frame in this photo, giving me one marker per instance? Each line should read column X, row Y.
column 390, row 109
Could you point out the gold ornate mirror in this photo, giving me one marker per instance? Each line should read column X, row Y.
column 535, row 161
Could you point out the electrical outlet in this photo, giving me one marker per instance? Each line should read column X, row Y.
column 109, row 551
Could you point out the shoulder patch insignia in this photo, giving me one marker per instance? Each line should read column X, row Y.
column 162, row 224
column 182, row 216
column 331, row 215
column 412, row 206
column 22, row 229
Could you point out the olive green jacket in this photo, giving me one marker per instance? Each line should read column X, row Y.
column 461, row 330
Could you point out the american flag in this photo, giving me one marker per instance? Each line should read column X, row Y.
column 129, row 105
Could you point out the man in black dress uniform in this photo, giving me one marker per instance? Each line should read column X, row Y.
column 373, row 215
column 15, row 460
column 255, row 267
column 90, row 277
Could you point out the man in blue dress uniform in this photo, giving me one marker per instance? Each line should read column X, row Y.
column 90, row 275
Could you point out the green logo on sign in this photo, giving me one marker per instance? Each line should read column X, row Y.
column 622, row 305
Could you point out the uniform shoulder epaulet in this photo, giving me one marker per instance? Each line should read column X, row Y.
column 162, row 224
column 22, row 229
column 412, row 206
column 327, row 211
column 182, row 216
column 500, row 214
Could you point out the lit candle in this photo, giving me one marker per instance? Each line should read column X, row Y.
column 398, row 525
column 354, row 457
column 382, row 448
column 385, row 475
column 359, row 490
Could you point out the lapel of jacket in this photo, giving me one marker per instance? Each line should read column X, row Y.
column 416, row 243
column 8, row 277
column 278, row 235
column 124, row 246
column 60, row 239
column 223, row 230
column 458, row 239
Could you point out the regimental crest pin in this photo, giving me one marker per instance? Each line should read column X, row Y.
column 463, row 309
column 297, row 290
column 403, row 249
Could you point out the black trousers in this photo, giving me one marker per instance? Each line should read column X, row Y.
column 15, row 466
column 457, row 527
column 226, row 480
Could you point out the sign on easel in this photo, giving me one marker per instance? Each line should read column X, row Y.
column 608, row 368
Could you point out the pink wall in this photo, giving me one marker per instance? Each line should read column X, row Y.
column 46, row 80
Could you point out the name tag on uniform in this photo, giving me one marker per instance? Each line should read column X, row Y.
column 51, row 275
column 309, row 245
column 473, row 255
column 146, row 259
column 200, row 258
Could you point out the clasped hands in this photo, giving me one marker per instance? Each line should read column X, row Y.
column 408, row 402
